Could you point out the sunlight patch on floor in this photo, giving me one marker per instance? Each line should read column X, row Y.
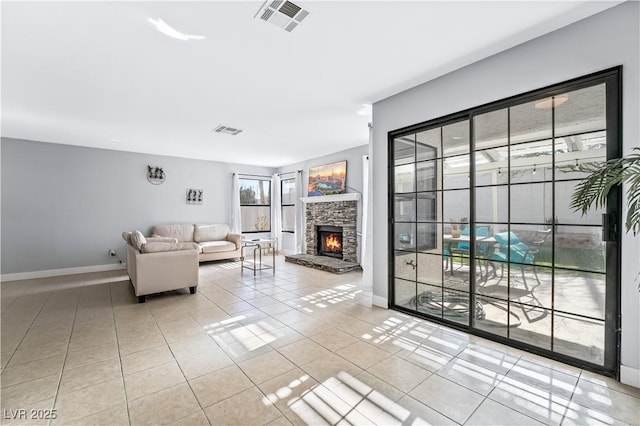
column 345, row 398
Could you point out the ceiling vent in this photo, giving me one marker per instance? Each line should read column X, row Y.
column 282, row 13
column 227, row 130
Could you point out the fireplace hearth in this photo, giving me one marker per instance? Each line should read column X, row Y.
column 330, row 241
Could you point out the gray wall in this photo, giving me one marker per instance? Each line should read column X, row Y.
column 354, row 177
column 65, row 206
column 602, row 41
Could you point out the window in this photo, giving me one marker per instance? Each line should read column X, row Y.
column 288, row 197
column 255, row 205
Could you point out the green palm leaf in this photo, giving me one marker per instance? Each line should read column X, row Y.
column 594, row 189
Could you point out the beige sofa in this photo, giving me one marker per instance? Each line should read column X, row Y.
column 214, row 241
column 155, row 265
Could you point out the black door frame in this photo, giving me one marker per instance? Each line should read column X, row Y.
column 613, row 79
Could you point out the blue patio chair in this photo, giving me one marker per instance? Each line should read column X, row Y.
column 447, row 258
column 508, row 244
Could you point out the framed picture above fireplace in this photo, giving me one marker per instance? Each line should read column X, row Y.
column 328, row 179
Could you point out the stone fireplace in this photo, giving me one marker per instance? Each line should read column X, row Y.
column 335, row 214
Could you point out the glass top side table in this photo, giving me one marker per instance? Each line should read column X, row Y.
column 259, row 246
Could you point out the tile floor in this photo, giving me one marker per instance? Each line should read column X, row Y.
column 294, row 348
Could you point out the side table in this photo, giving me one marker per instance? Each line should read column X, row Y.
column 259, row 246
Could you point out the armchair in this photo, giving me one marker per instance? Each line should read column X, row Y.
column 160, row 264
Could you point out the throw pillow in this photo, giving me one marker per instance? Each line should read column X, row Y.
column 158, row 246
column 127, row 237
column 161, row 240
column 138, row 240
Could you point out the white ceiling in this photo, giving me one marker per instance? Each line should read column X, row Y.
column 98, row 74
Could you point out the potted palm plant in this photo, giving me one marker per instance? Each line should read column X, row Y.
column 455, row 229
column 593, row 190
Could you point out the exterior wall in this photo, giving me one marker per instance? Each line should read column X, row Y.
column 579, row 49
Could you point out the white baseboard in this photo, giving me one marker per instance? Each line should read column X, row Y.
column 630, row 376
column 380, row 301
column 58, row 272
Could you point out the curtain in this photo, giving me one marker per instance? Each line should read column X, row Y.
column 299, row 229
column 236, row 218
column 276, row 210
column 366, row 242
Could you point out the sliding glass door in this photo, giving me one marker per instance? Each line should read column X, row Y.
column 424, row 196
column 482, row 234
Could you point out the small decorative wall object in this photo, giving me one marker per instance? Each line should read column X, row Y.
column 194, row 196
column 155, row 175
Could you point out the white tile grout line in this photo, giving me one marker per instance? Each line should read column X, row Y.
column 115, row 327
column 181, row 371
column 64, row 361
column 28, row 328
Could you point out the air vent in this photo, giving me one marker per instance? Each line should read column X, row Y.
column 290, row 9
column 227, row 130
column 267, row 14
column 283, row 14
column 291, row 26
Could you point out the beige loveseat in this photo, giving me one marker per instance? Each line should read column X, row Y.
column 214, row 241
column 155, row 265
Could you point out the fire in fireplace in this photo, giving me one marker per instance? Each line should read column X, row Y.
column 330, row 241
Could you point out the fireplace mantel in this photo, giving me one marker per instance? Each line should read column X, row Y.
column 349, row 196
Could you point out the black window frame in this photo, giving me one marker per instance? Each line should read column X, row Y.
column 283, row 205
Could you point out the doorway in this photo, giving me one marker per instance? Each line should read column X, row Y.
column 482, row 235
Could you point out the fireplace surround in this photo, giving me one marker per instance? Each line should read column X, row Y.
column 339, row 211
